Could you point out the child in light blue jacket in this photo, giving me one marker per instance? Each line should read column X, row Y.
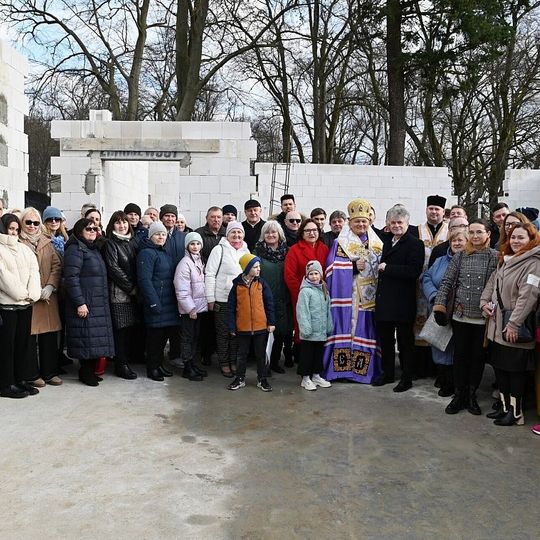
column 315, row 323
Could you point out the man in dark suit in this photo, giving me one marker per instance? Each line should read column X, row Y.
column 401, row 264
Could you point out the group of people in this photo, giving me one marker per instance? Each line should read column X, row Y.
column 333, row 302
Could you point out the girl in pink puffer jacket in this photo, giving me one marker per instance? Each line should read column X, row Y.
column 191, row 297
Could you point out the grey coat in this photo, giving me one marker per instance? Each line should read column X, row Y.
column 472, row 272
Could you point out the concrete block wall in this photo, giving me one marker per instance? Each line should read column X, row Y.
column 14, row 176
column 204, row 179
column 332, row 187
column 521, row 188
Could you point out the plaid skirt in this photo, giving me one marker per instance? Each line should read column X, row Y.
column 124, row 315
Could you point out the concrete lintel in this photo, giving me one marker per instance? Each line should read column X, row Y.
column 166, row 145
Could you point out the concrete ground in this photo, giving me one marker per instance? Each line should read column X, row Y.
column 187, row 460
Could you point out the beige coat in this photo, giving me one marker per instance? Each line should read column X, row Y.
column 19, row 273
column 519, row 280
column 46, row 316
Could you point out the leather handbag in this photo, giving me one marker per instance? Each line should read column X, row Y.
column 527, row 330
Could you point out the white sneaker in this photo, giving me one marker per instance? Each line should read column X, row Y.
column 319, row 381
column 308, row 384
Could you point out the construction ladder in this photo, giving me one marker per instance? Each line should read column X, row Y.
column 279, row 185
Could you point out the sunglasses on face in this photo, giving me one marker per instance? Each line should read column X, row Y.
column 91, row 229
column 54, row 219
column 30, row 222
column 295, row 221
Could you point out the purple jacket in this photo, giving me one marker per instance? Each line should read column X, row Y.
column 189, row 285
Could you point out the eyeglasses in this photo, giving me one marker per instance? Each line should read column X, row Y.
column 91, row 229
column 30, row 222
column 509, row 224
column 54, row 219
column 311, row 231
column 294, row 220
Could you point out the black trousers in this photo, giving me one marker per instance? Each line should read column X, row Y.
column 207, row 336
column 125, row 341
column 226, row 345
column 156, row 339
column 469, row 355
column 405, row 336
column 311, row 358
column 512, row 383
column 258, row 341
column 15, row 330
column 175, row 343
column 46, row 363
column 281, row 342
column 191, row 329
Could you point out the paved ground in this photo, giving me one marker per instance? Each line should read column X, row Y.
column 146, row 460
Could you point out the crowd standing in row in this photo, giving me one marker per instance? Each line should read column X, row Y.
column 454, row 293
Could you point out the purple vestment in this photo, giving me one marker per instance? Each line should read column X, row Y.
column 352, row 351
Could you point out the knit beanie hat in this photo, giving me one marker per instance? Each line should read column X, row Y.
column 51, row 212
column 132, row 207
column 230, row 209
column 168, row 209
column 530, row 213
column 156, row 227
column 247, row 261
column 232, row 225
column 314, row 265
column 193, row 237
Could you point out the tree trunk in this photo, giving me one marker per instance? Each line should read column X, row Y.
column 396, row 84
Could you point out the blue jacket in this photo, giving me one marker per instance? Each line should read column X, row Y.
column 175, row 246
column 433, row 276
column 313, row 313
column 85, row 282
column 155, row 273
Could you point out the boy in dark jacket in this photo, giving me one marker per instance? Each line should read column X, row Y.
column 251, row 318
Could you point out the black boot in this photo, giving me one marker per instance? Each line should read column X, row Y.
column 457, row 403
column 447, row 381
column 86, row 373
column 165, row 372
column 198, row 369
column 473, row 406
column 154, row 374
column 122, row 370
column 501, row 410
column 189, row 372
column 514, row 414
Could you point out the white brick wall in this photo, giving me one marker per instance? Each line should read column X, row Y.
column 522, row 187
column 332, row 187
column 215, row 178
column 14, row 177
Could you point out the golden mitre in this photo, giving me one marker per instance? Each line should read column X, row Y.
column 359, row 208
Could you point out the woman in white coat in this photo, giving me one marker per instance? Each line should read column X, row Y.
column 20, row 287
column 222, row 267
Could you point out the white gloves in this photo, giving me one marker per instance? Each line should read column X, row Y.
column 46, row 292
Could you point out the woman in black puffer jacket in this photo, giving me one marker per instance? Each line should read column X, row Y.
column 88, row 318
column 120, row 254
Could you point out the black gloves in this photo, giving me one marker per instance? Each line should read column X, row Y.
column 440, row 318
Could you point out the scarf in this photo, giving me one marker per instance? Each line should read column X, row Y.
column 322, row 286
column 32, row 238
column 263, row 251
column 122, row 236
